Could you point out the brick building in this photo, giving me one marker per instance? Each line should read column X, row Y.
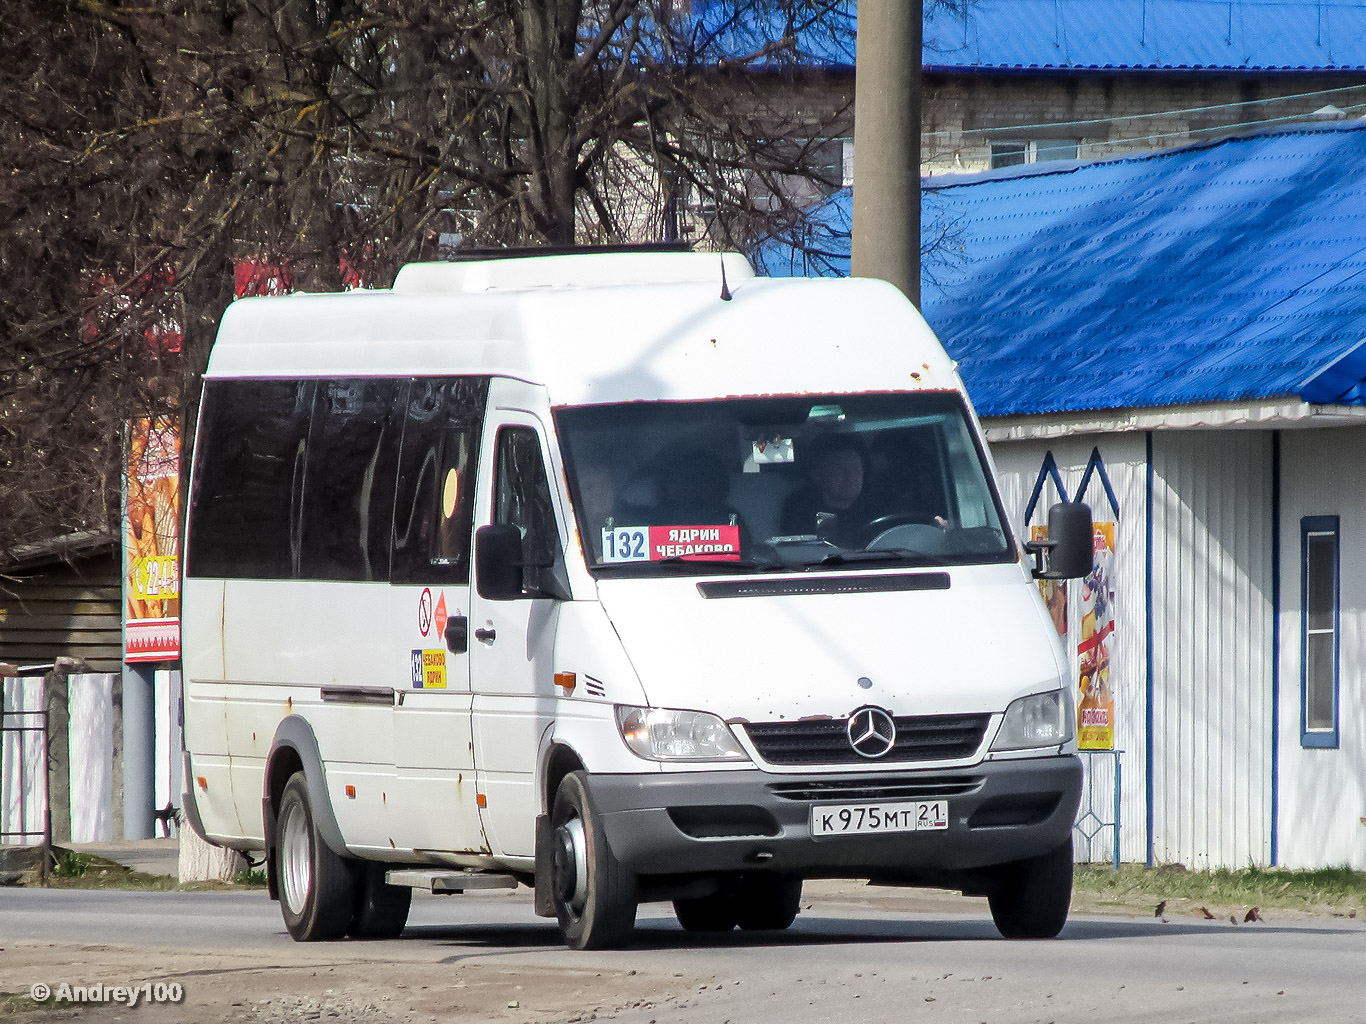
column 1015, row 81
column 1009, row 82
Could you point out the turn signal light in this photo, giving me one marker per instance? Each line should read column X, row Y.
column 350, row 792
column 481, row 799
column 566, row 681
column 203, row 782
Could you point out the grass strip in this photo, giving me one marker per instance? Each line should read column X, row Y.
column 1324, row 891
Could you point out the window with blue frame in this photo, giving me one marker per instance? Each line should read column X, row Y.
column 1319, row 631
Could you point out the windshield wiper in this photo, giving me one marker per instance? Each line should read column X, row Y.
column 721, row 563
column 886, row 555
column 674, row 561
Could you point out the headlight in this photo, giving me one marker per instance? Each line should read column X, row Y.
column 1040, row 720
column 663, row 735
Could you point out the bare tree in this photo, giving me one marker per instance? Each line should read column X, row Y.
column 156, row 144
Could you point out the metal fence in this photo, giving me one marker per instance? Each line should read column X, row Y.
column 25, row 806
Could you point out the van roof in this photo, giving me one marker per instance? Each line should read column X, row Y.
column 577, row 270
column 598, row 328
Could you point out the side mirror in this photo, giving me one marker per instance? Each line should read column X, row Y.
column 498, row 562
column 1068, row 552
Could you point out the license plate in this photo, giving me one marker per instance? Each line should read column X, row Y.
column 862, row 819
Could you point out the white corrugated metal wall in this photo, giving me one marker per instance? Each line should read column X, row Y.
column 1212, row 635
column 23, row 753
column 1323, row 791
column 1212, row 647
column 1124, row 459
column 92, row 741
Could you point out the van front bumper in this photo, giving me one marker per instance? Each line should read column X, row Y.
column 690, row 823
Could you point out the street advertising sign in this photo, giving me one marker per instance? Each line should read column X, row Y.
column 151, row 542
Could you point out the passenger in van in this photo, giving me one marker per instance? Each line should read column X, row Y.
column 837, row 465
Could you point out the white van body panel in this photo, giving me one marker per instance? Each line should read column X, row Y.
column 291, row 638
column 974, row 647
column 201, row 653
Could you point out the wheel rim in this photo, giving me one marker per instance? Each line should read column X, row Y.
column 296, row 868
column 571, row 865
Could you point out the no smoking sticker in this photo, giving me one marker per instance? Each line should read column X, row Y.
column 424, row 612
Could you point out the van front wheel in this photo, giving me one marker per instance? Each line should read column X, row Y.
column 316, row 886
column 768, row 902
column 713, row 913
column 595, row 896
column 1030, row 898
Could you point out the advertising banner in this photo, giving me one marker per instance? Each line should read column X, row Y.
column 1096, row 703
column 151, row 542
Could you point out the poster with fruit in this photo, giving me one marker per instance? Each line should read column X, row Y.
column 1096, row 704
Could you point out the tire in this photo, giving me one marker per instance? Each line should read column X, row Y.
column 714, row 913
column 317, row 890
column 381, row 909
column 595, row 896
column 1030, row 898
column 768, row 902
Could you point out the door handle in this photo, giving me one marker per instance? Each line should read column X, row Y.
column 486, row 636
column 457, row 634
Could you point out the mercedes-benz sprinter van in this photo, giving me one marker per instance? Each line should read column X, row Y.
column 628, row 576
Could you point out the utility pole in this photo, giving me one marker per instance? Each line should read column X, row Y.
column 886, row 231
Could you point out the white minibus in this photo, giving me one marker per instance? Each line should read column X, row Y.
column 628, row 576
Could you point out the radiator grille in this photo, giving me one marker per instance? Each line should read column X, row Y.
column 928, row 787
column 825, row 741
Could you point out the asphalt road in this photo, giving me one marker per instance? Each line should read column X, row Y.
column 843, row 959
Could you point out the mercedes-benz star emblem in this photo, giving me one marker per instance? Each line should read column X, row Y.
column 871, row 732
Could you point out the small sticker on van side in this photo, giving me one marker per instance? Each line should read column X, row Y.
column 656, row 543
column 429, row 670
column 424, row 611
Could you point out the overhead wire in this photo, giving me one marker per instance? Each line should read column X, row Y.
column 1178, row 112
column 1232, row 127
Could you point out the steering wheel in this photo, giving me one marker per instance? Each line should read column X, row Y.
column 882, row 524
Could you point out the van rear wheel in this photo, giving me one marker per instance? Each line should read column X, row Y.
column 381, row 908
column 1030, row 898
column 317, row 889
column 595, row 896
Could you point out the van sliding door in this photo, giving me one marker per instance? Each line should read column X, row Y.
column 432, row 804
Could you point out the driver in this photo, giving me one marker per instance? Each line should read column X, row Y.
column 836, row 465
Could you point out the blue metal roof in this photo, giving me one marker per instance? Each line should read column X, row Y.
column 1149, row 34
column 998, row 35
column 1228, row 272
column 1232, row 271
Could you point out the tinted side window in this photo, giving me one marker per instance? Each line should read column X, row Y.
column 249, row 461
column 434, row 503
column 349, row 492
column 522, row 497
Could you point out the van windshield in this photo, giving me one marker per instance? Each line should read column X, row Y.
column 755, row 484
